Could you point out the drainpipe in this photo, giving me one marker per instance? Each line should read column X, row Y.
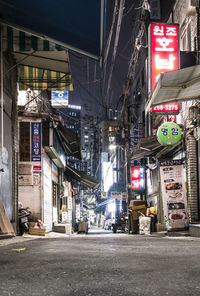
column 192, row 190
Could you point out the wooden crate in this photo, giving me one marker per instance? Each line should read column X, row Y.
column 36, row 231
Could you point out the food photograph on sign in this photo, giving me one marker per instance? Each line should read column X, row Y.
column 174, row 195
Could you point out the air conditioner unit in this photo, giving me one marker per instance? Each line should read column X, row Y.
column 194, row 3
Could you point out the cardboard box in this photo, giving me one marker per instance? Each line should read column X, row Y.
column 83, row 227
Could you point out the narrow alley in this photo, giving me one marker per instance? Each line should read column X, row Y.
column 100, row 263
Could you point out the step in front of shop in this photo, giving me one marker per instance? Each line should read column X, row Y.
column 194, row 230
column 62, row 228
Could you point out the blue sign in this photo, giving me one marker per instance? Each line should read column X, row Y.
column 36, row 141
column 59, row 98
column 142, row 184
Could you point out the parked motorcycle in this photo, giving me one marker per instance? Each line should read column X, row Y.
column 23, row 214
column 121, row 223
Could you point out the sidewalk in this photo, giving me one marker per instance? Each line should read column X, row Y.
column 6, row 240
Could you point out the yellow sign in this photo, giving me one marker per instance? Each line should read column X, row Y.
column 104, row 195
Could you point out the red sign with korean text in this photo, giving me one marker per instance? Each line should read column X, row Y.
column 137, row 178
column 172, row 107
column 164, row 50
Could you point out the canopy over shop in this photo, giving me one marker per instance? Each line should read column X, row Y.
column 76, row 25
column 75, row 176
column 150, row 147
column 176, row 86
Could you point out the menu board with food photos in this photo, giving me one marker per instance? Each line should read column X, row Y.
column 174, row 195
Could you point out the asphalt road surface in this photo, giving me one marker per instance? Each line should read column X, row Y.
column 101, row 264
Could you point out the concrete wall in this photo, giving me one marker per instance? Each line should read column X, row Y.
column 8, row 160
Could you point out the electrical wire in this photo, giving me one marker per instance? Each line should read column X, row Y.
column 109, row 43
column 119, row 21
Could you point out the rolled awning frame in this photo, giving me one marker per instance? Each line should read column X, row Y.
column 158, row 151
column 82, row 178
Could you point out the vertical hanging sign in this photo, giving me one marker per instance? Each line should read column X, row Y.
column 36, row 141
column 163, row 50
column 137, row 178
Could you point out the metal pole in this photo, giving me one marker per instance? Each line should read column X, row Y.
column 1, row 92
column 127, row 151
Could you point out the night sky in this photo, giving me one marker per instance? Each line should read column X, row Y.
column 89, row 90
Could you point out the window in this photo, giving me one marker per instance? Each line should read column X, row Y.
column 24, row 142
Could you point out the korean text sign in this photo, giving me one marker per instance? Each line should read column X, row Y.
column 59, row 98
column 164, row 50
column 36, row 141
column 169, row 133
column 137, row 178
column 173, row 194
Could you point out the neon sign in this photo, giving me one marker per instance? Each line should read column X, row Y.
column 137, row 178
column 164, row 50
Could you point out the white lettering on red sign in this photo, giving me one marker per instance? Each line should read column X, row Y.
column 164, row 50
column 137, row 178
column 167, row 107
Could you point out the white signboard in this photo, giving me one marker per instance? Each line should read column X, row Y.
column 78, row 211
column 119, row 195
column 174, row 196
column 69, row 204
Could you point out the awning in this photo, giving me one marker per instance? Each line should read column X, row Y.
column 42, row 79
column 73, row 174
column 41, row 64
column 70, row 140
column 150, row 146
column 57, row 61
column 176, row 86
column 103, row 204
column 76, row 24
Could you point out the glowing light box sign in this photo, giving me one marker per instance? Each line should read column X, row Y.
column 169, row 133
column 164, row 50
column 137, row 178
column 167, row 108
column 59, row 98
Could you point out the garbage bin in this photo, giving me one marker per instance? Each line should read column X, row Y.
column 144, row 225
column 83, row 227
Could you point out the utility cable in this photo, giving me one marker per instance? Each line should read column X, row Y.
column 120, row 16
column 109, row 42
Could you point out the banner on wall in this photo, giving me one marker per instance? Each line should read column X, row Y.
column 174, row 194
